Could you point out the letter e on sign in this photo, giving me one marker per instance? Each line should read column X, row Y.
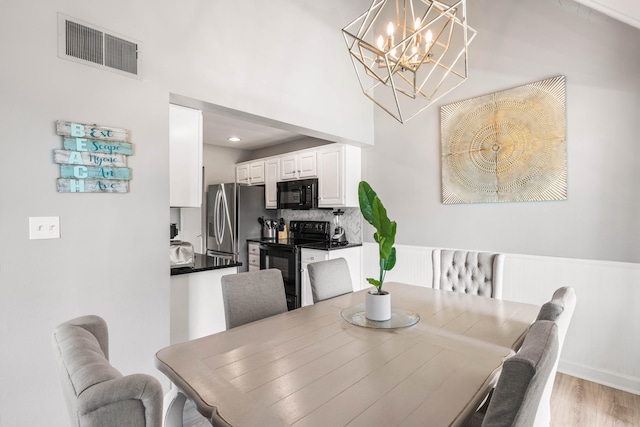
column 81, row 144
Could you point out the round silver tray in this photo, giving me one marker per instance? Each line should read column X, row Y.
column 400, row 318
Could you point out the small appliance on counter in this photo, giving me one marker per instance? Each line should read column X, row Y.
column 180, row 253
column 338, row 238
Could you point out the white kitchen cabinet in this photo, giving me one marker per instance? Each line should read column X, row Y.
column 298, row 165
column 352, row 255
column 250, row 172
column 339, row 172
column 197, row 308
column 254, row 256
column 271, row 174
column 185, row 157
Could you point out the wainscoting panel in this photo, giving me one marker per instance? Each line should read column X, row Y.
column 602, row 344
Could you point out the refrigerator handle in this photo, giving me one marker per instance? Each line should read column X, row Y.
column 217, row 222
column 227, row 216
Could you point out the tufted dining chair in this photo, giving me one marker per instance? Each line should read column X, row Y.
column 476, row 273
column 95, row 392
column 252, row 296
column 329, row 279
column 559, row 310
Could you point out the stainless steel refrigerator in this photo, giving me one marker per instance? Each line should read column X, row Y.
column 232, row 218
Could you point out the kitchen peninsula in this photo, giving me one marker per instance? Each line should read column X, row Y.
column 197, row 309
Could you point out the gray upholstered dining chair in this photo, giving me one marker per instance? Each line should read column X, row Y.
column 329, row 279
column 252, row 296
column 95, row 392
column 517, row 394
column 476, row 273
column 559, row 310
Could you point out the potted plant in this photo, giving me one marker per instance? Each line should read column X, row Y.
column 378, row 301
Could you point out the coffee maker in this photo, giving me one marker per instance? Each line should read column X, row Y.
column 338, row 237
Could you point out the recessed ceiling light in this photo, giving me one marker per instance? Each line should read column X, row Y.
column 233, row 139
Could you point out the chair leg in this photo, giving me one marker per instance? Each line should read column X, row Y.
column 175, row 408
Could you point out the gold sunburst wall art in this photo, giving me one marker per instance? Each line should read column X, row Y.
column 509, row 146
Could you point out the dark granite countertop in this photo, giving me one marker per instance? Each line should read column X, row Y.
column 323, row 246
column 205, row 263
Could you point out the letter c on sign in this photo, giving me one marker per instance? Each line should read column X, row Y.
column 80, row 171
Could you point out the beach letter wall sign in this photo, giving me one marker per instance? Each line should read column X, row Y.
column 93, row 159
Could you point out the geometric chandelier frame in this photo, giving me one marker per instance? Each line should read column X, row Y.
column 409, row 53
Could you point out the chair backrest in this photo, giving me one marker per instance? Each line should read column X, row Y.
column 517, row 394
column 95, row 392
column 329, row 279
column 559, row 310
column 475, row 273
column 252, row 296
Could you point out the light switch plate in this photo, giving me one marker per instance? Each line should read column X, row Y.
column 44, row 227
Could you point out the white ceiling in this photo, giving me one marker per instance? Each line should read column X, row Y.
column 218, row 127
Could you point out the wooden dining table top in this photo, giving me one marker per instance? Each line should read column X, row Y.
column 310, row 367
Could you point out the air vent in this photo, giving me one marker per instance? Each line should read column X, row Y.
column 94, row 46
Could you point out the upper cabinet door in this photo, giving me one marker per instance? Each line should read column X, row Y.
column 271, row 172
column 250, row 172
column 307, row 165
column 185, row 157
column 298, row 165
column 288, row 167
column 256, row 172
column 242, row 173
column 339, row 172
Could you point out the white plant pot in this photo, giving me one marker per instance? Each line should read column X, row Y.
column 378, row 306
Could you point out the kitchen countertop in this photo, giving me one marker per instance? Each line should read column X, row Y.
column 205, row 263
column 319, row 245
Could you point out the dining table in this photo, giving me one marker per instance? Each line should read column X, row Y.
column 324, row 364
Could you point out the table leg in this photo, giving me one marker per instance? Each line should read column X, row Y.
column 175, row 408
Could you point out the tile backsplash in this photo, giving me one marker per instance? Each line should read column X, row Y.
column 351, row 220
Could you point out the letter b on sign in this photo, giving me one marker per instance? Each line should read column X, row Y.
column 77, row 129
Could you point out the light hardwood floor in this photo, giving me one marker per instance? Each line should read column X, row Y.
column 577, row 402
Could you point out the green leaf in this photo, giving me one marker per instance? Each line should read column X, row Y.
column 391, row 261
column 374, row 282
column 366, row 196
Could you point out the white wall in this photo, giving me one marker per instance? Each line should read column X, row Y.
column 112, row 257
column 600, row 345
column 518, row 43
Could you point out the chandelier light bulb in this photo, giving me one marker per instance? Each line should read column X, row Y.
column 390, row 29
column 429, row 38
column 380, row 42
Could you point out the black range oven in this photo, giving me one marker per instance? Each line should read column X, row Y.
column 284, row 255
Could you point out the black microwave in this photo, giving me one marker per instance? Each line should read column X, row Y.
column 299, row 194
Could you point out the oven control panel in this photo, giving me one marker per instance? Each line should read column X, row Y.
column 302, row 228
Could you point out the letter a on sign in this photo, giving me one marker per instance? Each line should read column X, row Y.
column 75, row 158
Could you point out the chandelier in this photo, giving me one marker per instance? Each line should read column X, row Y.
column 409, row 53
